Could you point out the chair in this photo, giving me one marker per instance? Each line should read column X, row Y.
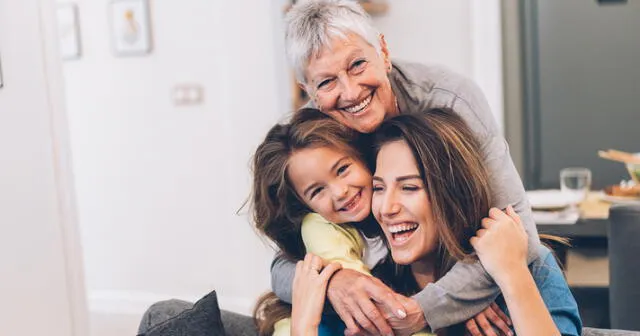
column 624, row 270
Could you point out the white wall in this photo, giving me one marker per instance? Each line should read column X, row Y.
column 430, row 31
column 158, row 185
column 464, row 35
column 41, row 277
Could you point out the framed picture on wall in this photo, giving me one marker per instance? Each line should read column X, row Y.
column 130, row 27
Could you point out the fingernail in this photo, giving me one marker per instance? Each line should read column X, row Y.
column 401, row 313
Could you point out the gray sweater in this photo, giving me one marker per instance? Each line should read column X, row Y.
column 466, row 289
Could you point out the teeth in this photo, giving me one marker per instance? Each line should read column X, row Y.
column 359, row 107
column 352, row 203
column 402, row 227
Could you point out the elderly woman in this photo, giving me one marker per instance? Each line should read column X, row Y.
column 344, row 65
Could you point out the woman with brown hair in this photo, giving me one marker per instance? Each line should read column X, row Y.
column 431, row 196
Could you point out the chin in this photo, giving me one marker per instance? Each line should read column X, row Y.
column 402, row 258
column 369, row 126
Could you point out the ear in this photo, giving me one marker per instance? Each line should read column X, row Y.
column 306, row 90
column 303, row 87
column 384, row 50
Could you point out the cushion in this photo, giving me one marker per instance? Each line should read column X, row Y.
column 201, row 320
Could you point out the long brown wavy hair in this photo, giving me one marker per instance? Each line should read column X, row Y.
column 277, row 210
column 457, row 183
column 455, row 178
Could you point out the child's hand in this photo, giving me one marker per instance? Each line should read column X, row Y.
column 309, row 290
column 501, row 244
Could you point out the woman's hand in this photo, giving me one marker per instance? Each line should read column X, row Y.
column 501, row 244
column 482, row 324
column 412, row 323
column 309, row 290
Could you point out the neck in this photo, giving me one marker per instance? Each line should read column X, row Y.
column 396, row 108
column 424, row 271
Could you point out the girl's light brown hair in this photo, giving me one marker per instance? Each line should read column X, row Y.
column 276, row 208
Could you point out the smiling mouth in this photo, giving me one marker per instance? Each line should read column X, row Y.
column 360, row 107
column 353, row 202
column 400, row 233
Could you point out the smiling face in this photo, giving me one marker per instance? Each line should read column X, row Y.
column 332, row 183
column 401, row 205
column 348, row 81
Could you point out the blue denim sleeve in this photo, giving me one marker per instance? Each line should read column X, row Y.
column 556, row 294
column 331, row 325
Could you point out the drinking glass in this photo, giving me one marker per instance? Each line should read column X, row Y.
column 575, row 184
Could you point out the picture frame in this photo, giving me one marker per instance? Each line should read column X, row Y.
column 68, row 31
column 130, row 27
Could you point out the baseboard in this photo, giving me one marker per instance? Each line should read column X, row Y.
column 114, row 302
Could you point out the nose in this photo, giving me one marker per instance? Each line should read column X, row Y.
column 390, row 205
column 339, row 191
column 350, row 89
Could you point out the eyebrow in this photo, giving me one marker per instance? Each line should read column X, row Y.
column 400, row 178
column 333, row 167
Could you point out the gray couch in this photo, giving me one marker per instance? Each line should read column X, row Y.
column 624, row 273
column 608, row 332
column 180, row 318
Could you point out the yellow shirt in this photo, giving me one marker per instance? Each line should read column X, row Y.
column 331, row 242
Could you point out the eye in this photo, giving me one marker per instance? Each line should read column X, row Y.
column 315, row 192
column 358, row 63
column 324, row 83
column 377, row 188
column 410, row 187
column 343, row 169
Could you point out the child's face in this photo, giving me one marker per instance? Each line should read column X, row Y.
column 332, row 183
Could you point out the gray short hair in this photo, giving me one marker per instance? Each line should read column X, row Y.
column 311, row 24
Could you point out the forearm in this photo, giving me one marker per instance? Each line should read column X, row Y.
column 282, row 273
column 507, row 189
column 526, row 307
column 303, row 331
column 459, row 295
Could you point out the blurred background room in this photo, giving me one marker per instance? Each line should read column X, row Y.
column 127, row 128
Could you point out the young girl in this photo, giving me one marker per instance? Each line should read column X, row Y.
column 312, row 187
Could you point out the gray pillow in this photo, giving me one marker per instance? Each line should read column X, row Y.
column 201, row 320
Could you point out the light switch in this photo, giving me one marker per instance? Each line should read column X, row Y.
column 187, row 94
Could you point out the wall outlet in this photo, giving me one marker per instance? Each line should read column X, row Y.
column 187, row 94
